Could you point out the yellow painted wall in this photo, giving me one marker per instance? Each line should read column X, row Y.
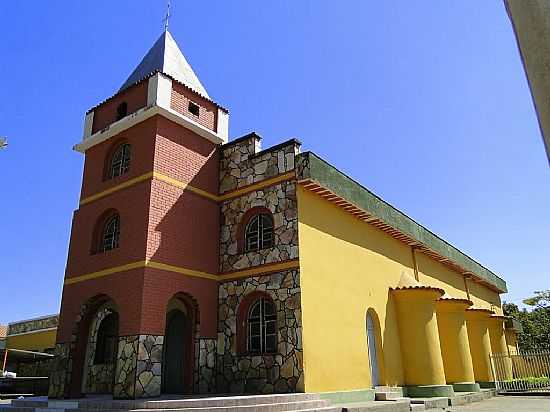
column 436, row 274
column 34, row 341
column 480, row 345
column 451, row 322
column 484, row 297
column 503, row 366
column 346, row 267
column 421, row 356
column 511, row 341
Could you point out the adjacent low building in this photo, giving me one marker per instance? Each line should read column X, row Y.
column 36, row 335
column 3, row 333
column 202, row 265
column 28, row 352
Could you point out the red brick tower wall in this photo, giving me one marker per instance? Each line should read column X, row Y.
column 106, row 113
column 169, row 218
column 183, row 226
column 159, row 221
column 133, row 205
column 208, row 111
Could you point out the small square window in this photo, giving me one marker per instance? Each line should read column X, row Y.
column 121, row 110
column 194, row 109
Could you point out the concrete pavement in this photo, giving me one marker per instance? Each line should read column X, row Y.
column 507, row 404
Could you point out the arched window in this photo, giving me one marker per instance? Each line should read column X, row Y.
column 262, row 327
column 259, row 233
column 120, row 161
column 107, row 340
column 111, row 233
column 121, row 110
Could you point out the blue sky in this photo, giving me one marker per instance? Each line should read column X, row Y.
column 425, row 103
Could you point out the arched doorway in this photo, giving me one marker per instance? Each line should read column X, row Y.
column 373, row 350
column 100, row 360
column 107, row 340
column 178, row 352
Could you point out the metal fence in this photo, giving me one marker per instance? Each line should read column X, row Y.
column 522, row 372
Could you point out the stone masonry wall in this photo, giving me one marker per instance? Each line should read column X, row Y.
column 149, row 366
column 98, row 377
column 268, row 373
column 125, row 377
column 36, row 368
column 241, row 164
column 33, row 324
column 139, row 367
column 61, row 368
column 280, row 199
column 205, row 366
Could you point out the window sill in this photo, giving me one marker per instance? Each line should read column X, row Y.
column 104, row 252
column 250, row 354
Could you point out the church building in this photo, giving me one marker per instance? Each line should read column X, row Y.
column 203, row 265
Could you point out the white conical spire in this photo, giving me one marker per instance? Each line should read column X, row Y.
column 166, row 57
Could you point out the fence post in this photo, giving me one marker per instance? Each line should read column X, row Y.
column 492, row 361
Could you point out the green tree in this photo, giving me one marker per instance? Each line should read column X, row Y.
column 540, row 300
column 535, row 323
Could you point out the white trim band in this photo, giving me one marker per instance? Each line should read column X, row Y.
column 142, row 115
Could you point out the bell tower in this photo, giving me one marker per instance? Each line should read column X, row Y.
column 142, row 267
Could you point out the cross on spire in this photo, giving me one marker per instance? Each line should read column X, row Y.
column 167, row 16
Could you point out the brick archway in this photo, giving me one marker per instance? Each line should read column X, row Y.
column 186, row 305
column 80, row 337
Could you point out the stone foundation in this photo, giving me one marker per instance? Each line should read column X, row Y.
column 60, row 374
column 37, row 368
column 125, row 377
column 205, row 366
column 139, row 367
column 98, row 378
column 149, row 366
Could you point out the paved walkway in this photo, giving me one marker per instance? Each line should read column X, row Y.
column 507, row 404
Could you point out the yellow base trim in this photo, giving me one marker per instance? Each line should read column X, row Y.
column 184, row 271
column 257, row 270
column 116, row 188
column 259, row 185
column 106, row 272
column 186, row 186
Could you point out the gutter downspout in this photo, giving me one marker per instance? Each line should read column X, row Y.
column 466, row 288
column 415, row 263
